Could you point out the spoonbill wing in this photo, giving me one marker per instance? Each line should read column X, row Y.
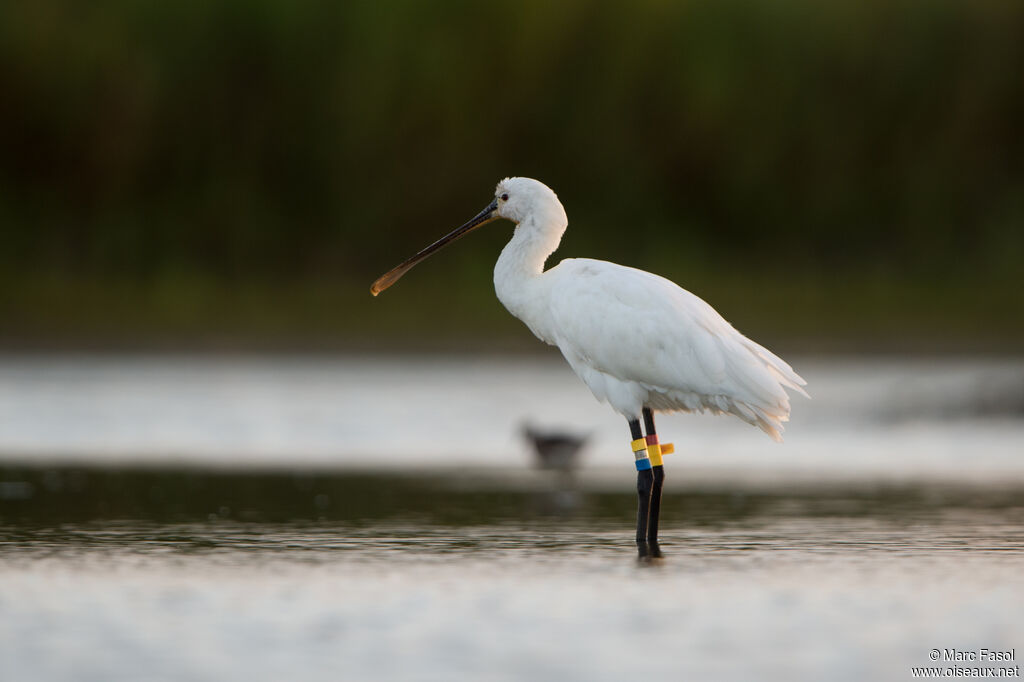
column 634, row 336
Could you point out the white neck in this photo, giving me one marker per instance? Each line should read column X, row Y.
column 521, row 262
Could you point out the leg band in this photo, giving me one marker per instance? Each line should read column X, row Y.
column 654, row 450
column 643, row 463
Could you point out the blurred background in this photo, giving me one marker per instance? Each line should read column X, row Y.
column 214, row 441
column 847, row 175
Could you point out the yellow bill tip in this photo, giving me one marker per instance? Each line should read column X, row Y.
column 386, row 280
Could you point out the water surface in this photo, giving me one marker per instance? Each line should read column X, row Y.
column 327, row 576
column 183, row 518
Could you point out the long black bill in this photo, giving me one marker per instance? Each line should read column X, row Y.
column 391, row 276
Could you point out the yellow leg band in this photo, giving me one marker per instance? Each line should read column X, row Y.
column 638, row 445
column 654, row 452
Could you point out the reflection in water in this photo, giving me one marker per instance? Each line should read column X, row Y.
column 430, row 570
column 198, row 575
column 35, row 495
column 799, row 537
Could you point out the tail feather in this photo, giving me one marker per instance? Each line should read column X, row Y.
column 779, row 368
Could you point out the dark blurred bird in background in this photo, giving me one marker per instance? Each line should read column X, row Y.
column 555, row 449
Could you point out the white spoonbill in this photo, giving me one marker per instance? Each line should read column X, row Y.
column 637, row 340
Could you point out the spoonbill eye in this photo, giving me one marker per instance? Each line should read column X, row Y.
column 504, row 197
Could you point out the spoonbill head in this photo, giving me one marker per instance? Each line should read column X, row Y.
column 524, row 201
column 638, row 341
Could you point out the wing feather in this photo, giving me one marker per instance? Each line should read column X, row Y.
column 634, row 336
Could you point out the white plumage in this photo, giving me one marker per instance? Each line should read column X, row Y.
column 638, row 341
column 635, row 339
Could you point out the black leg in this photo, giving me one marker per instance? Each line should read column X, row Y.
column 644, row 486
column 658, row 471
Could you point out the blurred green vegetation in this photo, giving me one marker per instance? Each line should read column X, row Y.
column 846, row 173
